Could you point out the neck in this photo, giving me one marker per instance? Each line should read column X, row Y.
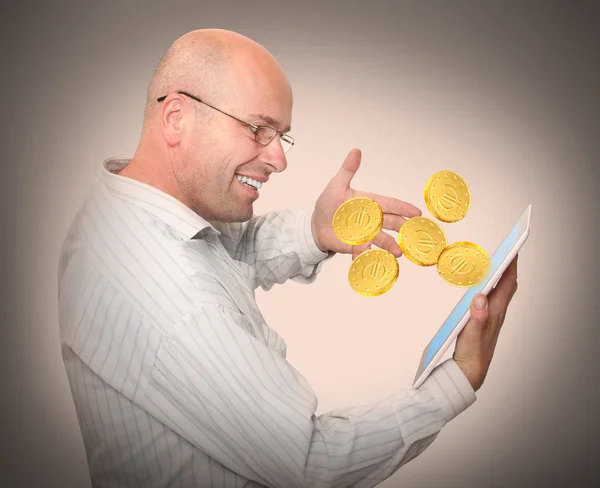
column 151, row 166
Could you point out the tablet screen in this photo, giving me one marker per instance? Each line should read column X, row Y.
column 463, row 305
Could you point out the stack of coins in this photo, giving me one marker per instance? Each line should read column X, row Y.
column 421, row 239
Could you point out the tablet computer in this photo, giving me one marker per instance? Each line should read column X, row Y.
column 459, row 317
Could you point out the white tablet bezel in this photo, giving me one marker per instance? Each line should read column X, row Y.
column 486, row 286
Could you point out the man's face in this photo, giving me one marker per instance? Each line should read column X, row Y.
column 222, row 150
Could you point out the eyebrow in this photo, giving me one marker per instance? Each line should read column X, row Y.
column 271, row 121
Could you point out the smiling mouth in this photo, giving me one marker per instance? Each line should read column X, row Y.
column 255, row 185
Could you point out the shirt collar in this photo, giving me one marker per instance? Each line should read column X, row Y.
column 187, row 223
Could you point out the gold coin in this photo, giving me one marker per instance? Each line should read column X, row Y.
column 463, row 264
column 373, row 272
column 447, row 196
column 357, row 220
column 421, row 240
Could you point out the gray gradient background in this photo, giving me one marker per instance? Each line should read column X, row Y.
column 504, row 93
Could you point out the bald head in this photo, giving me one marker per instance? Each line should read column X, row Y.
column 193, row 152
column 213, row 64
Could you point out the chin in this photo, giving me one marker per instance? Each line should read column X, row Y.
column 237, row 216
column 224, row 213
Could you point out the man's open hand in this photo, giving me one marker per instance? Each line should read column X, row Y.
column 395, row 212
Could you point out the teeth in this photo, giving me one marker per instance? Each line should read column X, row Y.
column 249, row 181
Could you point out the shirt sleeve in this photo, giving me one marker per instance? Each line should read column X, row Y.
column 278, row 245
column 243, row 404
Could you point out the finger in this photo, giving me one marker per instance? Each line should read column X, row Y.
column 393, row 222
column 472, row 344
column 356, row 250
column 385, row 241
column 479, row 310
column 349, row 168
column 469, row 338
column 391, row 205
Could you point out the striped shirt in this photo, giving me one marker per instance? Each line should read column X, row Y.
column 176, row 377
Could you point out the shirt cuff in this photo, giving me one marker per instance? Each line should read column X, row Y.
column 451, row 389
column 309, row 253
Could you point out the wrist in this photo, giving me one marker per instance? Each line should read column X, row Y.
column 314, row 234
column 472, row 372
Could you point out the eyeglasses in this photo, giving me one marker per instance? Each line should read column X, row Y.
column 263, row 134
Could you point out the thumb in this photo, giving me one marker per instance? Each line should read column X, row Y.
column 349, row 168
column 469, row 339
column 477, row 320
column 479, row 311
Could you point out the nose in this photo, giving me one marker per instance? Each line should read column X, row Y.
column 274, row 156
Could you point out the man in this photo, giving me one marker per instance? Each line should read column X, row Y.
column 176, row 377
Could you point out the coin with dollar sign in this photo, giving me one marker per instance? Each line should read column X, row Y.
column 463, row 264
column 421, row 240
column 373, row 272
column 357, row 220
column 447, row 196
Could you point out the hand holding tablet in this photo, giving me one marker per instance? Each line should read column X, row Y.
column 476, row 343
column 477, row 335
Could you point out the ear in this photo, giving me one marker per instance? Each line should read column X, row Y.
column 171, row 118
